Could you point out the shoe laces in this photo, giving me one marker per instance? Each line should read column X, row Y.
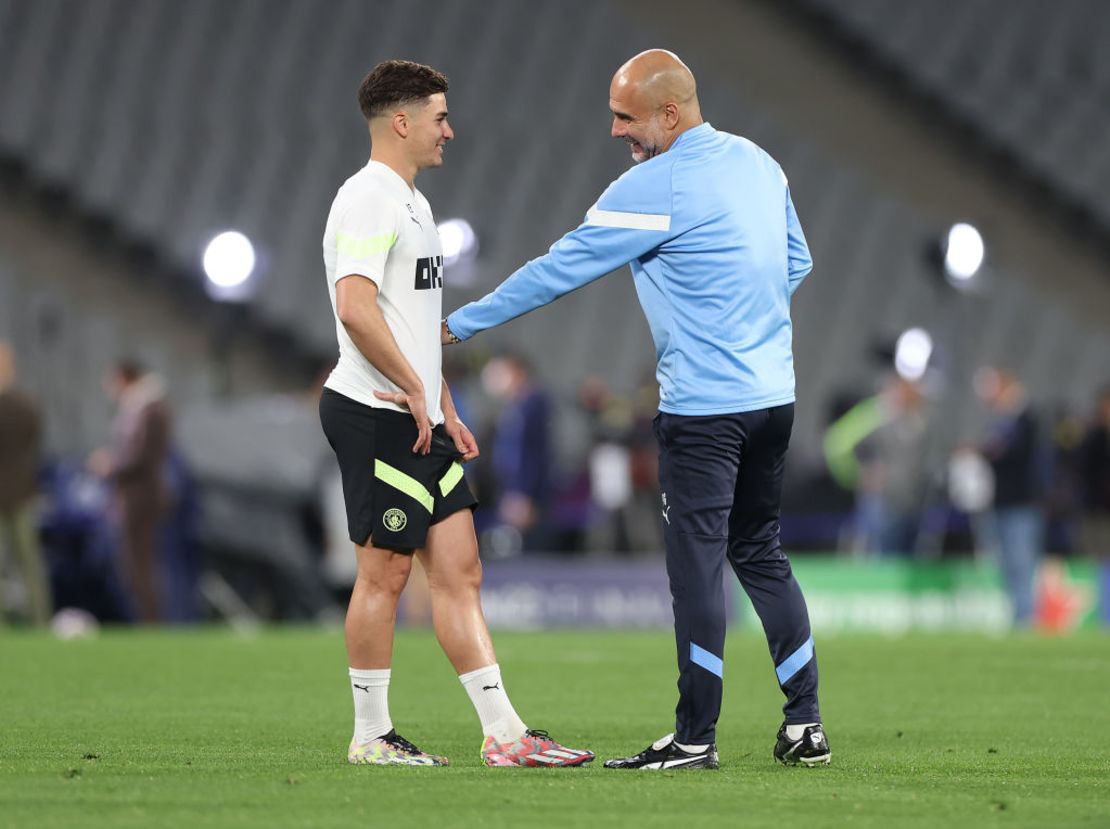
column 538, row 734
column 397, row 741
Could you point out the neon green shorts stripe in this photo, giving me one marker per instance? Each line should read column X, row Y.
column 449, row 481
column 406, row 483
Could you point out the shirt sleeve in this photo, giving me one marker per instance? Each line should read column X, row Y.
column 365, row 233
column 797, row 251
column 631, row 218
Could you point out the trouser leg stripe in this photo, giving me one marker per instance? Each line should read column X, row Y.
column 711, row 662
column 795, row 662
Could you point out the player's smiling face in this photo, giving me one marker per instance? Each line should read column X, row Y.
column 638, row 124
column 429, row 131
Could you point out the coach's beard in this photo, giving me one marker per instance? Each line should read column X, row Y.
column 644, row 152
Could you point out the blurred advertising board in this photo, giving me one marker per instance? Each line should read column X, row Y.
column 884, row 596
column 530, row 592
column 896, row 596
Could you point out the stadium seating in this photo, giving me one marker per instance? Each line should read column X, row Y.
column 175, row 121
column 1030, row 77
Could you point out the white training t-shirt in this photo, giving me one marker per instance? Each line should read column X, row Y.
column 380, row 229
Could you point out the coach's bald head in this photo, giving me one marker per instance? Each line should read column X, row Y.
column 654, row 99
column 658, row 77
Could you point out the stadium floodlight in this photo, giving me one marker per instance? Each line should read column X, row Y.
column 460, row 242
column 963, row 253
column 229, row 260
column 912, row 354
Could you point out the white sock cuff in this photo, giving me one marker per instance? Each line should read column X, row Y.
column 795, row 731
column 370, row 676
column 692, row 749
column 472, row 675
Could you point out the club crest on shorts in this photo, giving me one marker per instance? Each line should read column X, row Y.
column 395, row 520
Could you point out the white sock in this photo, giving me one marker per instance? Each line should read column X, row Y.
column 487, row 693
column 795, row 732
column 370, row 689
column 691, row 749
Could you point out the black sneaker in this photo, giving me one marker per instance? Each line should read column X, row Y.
column 811, row 750
column 664, row 753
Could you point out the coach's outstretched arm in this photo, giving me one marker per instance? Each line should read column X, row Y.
column 628, row 221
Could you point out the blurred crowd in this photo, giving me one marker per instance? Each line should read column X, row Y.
column 564, row 476
column 233, row 508
column 1036, row 482
column 111, row 536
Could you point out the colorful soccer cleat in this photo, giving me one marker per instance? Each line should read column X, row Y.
column 391, row 750
column 535, row 748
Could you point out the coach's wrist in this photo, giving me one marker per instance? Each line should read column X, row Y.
column 447, row 335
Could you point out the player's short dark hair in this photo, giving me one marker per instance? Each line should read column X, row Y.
column 394, row 82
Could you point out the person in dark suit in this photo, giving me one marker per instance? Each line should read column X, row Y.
column 134, row 466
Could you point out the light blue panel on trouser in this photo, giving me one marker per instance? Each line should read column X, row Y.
column 795, row 662
column 713, row 664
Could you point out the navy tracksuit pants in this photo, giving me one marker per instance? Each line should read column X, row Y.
column 721, row 477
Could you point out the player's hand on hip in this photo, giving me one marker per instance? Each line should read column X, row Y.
column 418, row 408
column 463, row 438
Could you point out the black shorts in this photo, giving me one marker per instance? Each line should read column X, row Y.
column 393, row 495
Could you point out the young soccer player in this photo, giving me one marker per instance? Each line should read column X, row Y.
column 389, row 416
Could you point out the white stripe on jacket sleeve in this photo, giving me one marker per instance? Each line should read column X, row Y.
column 631, row 221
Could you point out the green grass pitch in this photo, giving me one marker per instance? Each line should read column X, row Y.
column 211, row 728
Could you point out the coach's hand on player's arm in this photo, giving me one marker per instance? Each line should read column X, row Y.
column 446, row 336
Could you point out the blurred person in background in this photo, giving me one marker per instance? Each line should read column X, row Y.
column 522, row 449
column 1094, row 466
column 1017, row 452
column 623, row 467
column 608, row 466
column 389, row 416
column 1064, row 497
column 877, row 450
column 20, row 447
column 645, row 529
column 1095, row 476
column 134, row 467
column 706, row 221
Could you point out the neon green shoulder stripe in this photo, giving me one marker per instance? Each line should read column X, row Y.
column 359, row 247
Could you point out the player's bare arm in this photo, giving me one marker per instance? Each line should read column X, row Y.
column 458, row 431
column 356, row 304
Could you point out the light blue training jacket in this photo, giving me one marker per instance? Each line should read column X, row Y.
column 716, row 253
